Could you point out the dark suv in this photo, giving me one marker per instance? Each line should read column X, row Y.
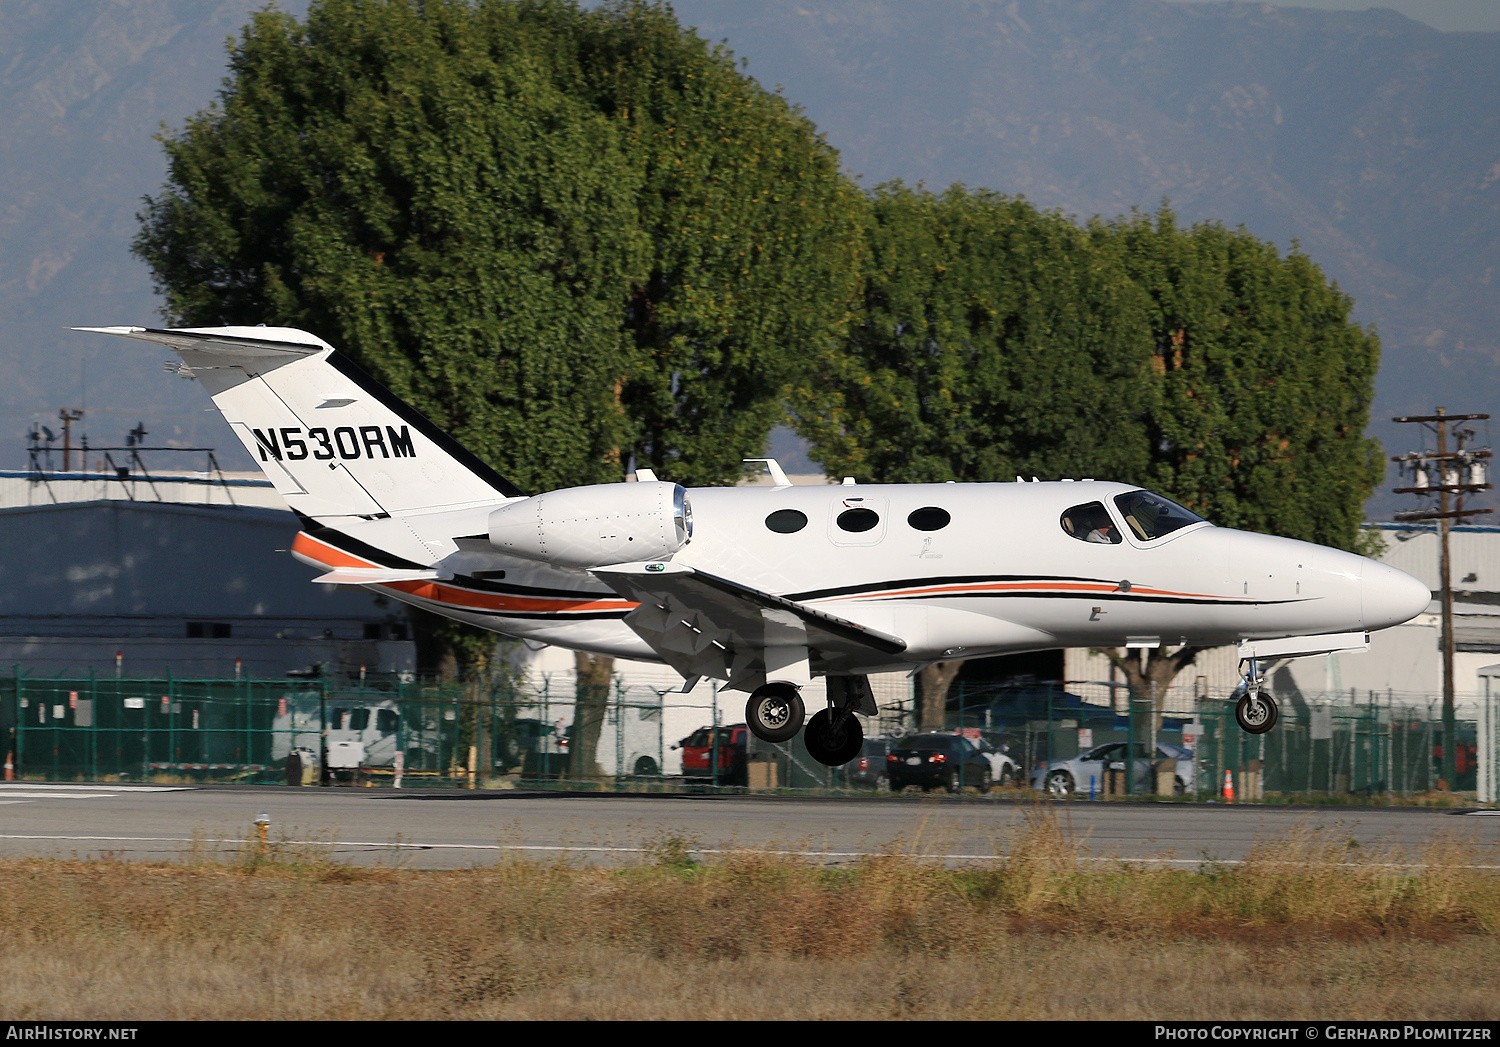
column 932, row 760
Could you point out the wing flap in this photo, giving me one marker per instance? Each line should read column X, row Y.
column 705, row 625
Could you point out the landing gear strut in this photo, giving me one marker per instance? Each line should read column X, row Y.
column 1255, row 712
column 774, row 712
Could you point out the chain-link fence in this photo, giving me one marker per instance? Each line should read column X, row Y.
column 1374, row 745
column 1379, row 747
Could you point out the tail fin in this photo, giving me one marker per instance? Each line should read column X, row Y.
column 334, row 441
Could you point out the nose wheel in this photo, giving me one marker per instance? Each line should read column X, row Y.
column 774, row 712
column 1255, row 712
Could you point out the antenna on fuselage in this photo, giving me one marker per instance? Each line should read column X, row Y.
column 778, row 477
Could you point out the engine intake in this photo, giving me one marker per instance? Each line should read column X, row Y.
column 596, row 525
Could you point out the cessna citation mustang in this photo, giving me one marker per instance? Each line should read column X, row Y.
column 765, row 588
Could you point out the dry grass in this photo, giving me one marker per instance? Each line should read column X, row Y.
column 1307, row 928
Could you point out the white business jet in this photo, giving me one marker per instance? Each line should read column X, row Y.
column 765, row 588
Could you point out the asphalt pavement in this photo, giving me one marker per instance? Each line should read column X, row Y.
column 454, row 829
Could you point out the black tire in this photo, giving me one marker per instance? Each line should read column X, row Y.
column 1059, row 783
column 953, row 783
column 645, row 765
column 829, row 745
column 896, row 786
column 1255, row 717
column 985, row 781
column 774, row 712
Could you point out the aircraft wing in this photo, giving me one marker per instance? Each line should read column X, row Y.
column 704, row 625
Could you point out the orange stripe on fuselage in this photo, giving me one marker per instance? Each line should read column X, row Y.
column 982, row 587
column 437, row 592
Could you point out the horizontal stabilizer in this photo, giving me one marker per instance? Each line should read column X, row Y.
column 246, row 341
column 373, row 576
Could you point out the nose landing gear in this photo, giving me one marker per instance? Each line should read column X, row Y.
column 1255, row 712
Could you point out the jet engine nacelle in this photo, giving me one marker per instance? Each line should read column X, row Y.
column 596, row 525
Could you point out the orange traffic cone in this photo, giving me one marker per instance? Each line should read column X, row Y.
column 1229, row 787
column 10, row 766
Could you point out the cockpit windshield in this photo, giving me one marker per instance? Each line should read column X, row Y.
column 1152, row 516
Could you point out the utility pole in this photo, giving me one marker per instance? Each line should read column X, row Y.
column 69, row 415
column 1457, row 473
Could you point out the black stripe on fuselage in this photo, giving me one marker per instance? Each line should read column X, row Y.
column 1116, row 597
column 353, row 546
column 981, row 579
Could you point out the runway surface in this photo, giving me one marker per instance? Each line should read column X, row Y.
column 459, row 829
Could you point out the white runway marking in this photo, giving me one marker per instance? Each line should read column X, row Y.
column 6, row 787
column 30, row 792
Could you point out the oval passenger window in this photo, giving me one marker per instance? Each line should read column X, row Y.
column 786, row 521
column 930, row 518
column 858, row 520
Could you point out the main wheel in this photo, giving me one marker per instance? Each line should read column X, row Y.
column 1256, row 714
column 1060, row 783
column 830, row 743
column 774, row 712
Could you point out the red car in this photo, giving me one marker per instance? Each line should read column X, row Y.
column 698, row 748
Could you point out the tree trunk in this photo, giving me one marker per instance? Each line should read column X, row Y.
column 932, row 694
column 595, row 672
column 1149, row 672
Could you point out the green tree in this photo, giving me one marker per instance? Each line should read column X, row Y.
column 1264, row 393
column 1265, row 384
column 755, row 242
column 570, row 237
column 995, row 340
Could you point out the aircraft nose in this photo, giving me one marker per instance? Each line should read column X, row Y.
column 1391, row 597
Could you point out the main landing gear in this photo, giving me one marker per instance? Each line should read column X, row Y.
column 774, row 712
column 834, row 736
column 1255, row 712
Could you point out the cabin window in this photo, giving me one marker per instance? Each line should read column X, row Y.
column 1091, row 523
column 786, row 521
column 929, row 518
column 858, row 520
column 1152, row 516
column 387, row 720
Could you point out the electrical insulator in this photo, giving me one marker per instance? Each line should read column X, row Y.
column 1419, row 474
column 1450, row 474
column 1476, row 473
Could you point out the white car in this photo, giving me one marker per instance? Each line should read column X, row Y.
column 1067, row 777
column 1004, row 769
